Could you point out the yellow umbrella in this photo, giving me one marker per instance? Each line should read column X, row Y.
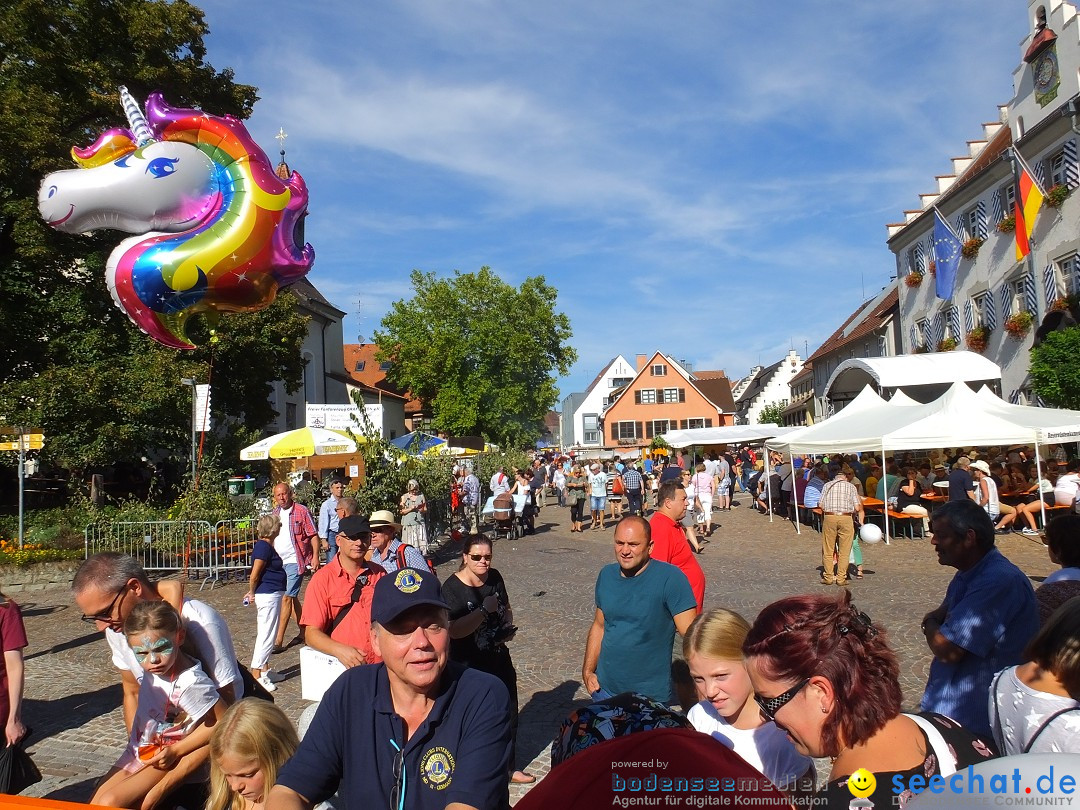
column 300, row 443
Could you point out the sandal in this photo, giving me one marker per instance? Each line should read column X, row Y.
column 522, row 778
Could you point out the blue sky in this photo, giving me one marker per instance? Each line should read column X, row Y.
column 705, row 177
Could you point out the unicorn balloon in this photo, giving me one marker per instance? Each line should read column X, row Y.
column 218, row 230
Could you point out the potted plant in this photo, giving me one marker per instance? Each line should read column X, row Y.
column 922, row 348
column 1056, row 195
column 914, row 278
column 1059, row 304
column 971, row 247
column 977, row 339
column 932, row 267
column 1019, row 324
column 1007, row 225
column 947, row 344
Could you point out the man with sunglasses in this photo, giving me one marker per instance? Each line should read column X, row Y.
column 416, row 731
column 337, row 605
column 106, row 589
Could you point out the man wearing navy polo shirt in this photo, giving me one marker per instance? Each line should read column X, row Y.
column 416, row 732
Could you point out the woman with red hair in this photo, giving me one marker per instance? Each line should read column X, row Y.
column 824, row 672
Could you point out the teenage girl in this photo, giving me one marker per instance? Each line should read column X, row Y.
column 178, row 707
column 728, row 712
column 249, row 745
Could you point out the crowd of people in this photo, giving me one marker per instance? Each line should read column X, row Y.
column 427, row 698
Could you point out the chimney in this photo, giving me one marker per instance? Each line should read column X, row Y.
column 640, row 360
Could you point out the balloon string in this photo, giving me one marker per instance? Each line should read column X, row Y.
column 202, row 436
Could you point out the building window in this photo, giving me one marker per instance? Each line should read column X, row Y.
column 658, row 370
column 385, row 365
column 912, row 261
column 1055, row 166
column 922, row 327
column 979, row 306
column 695, row 423
column 359, row 365
column 1017, row 287
column 626, row 430
column 674, row 395
column 646, row 396
column 971, row 222
column 1069, row 270
column 1008, row 199
column 590, row 432
column 657, row 427
column 619, row 382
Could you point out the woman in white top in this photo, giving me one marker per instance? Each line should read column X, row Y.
column 986, row 491
column 712, row 648
column 704, row 484
column 1033, row 706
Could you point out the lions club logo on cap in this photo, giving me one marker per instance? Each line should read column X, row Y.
column 437, row 768
column 407, row 582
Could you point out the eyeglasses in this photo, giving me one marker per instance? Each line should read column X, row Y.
column 397, row 792
column 107, row 617
column 479, row 557
column 771, row 706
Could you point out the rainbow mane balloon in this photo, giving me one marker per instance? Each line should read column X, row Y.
column 219, row 230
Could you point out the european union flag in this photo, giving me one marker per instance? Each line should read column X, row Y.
column 947, row 254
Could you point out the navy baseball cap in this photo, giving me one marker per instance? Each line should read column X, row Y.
column 407, row 588
column 354, row 525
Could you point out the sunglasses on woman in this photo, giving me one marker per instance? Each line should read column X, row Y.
column 770, row 706
column 479, row 557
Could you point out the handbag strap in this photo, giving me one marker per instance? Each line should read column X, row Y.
column 1046, row 723
column 361, row 581
column 946, row 761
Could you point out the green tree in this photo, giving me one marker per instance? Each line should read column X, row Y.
column 483, row 354
column 70, row 362
column 1055, row 374
column 773, row 413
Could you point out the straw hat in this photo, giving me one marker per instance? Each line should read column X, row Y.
column 383, row 518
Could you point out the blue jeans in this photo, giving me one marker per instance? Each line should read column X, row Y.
column 331, row 544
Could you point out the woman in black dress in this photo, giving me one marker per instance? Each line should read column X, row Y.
column 481, row 622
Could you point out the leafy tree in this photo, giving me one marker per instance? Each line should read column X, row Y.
column 773, row 413
column 481, row 353
column 70, row 362
column 1055, row 374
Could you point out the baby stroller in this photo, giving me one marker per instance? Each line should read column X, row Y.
column 503, row 515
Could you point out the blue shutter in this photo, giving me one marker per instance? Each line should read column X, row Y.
column 991, row 312
column 918, row 252
column 913, row 336
column 954, row 320
column 1040, row 172
column 999, row 205
column 969, row 320
column 960, row 226
column 1072, row 171
column 1031, row 295
column 980, row 220
column 1050, row 285
column 1005, row 298
column 928, row 332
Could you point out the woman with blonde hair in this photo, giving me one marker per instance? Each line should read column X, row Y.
column 248, row 747
column 712, row 648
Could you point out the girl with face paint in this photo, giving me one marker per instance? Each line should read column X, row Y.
column 178, row 708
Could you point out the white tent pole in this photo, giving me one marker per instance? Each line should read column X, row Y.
column 885, row 491
column 794, row 490
column 768, row 480
column 1038, row 475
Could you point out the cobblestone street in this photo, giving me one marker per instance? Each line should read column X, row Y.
column 73, row 693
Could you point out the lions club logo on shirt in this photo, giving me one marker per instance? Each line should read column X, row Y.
column 437, row 768
column 407, row 582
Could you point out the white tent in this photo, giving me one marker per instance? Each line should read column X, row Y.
column 729, row 434
column 859, row 426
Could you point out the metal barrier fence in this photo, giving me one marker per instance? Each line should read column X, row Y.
column 194, row 547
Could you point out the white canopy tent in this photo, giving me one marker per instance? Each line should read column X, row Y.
column 729, row 434
column 912, row 371
column 958, row 417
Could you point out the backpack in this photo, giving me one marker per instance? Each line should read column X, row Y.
column 401, row 559
column 617, row 486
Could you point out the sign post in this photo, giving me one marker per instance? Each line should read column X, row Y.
column 26, row 439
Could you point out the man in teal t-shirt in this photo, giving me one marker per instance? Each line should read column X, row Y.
column 640, row 604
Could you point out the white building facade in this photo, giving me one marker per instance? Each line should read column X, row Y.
column 993, row 288
column 582, row 412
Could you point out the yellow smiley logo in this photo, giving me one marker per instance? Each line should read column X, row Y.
column 861, row 783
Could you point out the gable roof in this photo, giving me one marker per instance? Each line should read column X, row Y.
column 718, row 392
column 870, row 316
column 371, row 376
column 716, row 389
column 605, row 370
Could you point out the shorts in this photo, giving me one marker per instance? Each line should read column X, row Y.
column 724, row 487
column 597, row 503
column 293, row 578
column 689, row 519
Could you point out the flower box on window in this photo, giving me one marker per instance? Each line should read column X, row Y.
column 1007, row 225
column 914, row 278
column 932, row 267
column 1057, row 195
column 1019, row 325
column 971, row 247
column 977, row 339
column 947, row 344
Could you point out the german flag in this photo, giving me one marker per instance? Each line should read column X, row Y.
column 1029, row 199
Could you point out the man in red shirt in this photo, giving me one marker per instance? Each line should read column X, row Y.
column 669, row 539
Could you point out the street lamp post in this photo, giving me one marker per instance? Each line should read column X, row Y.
column 194, row 416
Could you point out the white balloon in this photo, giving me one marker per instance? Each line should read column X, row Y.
column 870, row 533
